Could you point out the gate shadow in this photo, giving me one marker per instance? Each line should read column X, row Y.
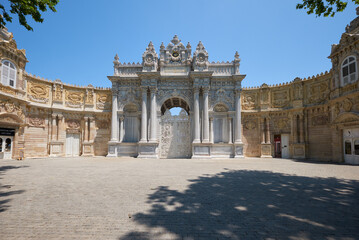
column 5, row 190
column 252, row 205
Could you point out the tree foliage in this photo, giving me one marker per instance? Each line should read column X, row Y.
column 325, row 7
column 24, row 8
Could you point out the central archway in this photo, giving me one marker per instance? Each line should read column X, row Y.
column 175, row 141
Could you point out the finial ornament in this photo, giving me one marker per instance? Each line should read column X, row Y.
column 188, row 46
column 116, row 58
column 175, row 40
column 162, row 46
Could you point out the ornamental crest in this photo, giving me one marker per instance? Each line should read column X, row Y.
column 38, row 92
column 36, row 122
column 73, row 124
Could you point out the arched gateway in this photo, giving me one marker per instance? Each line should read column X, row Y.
column 209, row 94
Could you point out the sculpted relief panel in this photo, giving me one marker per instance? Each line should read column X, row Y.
column 280, row 98
column 36, row 121
column 12, row 108
column 103, row 101
column 250, row 101
column 222, row 96
column 74, row 99
column 318, row 92
column 38, row 92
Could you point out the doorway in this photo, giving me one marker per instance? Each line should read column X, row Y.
column 6, row 142
column 72, row 144
column 281, row 146
column 351, row 145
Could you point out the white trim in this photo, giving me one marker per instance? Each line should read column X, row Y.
column 350, row 77
column 8, row 73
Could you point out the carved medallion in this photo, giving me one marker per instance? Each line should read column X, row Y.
column 36, row 122
column 38, row 92
column 73, row 124
column 249, row 101
column 280, row 98
column 74, row 99
column 250, row 124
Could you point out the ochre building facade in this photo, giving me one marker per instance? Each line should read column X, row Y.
column 315, row 118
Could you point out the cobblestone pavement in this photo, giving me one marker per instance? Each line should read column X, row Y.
column 104, row 198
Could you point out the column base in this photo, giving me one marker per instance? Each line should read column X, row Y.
column 266, row 150
column 87, row 149
column 56, row 149
column 148, row 149
column 201, row 150
column 238, row 150
column 112, row 149
column 298, row 150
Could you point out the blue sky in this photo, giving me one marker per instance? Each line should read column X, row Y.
column 276, row 42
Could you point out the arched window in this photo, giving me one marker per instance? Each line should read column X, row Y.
column 349, row 70
column 8, row 73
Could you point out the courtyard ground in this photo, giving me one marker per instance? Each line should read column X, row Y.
column 105, row 198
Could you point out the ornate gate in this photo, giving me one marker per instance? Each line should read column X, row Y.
column 175, row 135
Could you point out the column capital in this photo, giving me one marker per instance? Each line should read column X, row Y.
column 144, row 89
column 195, row 89
column 153, row 89
column 205, row 89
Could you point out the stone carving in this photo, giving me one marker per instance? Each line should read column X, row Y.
column 175, row 135
column 164, row 94
column 13, row 108
column 36, row 122
column 249, row 101
column 73, row 124
column 103, row 124
column 320, row 120
column 150, row 58
column 57, row 91
column 38, row 92
column 129, row 96
column 264, row 95
column 103, row 101
column 200, row 60
column 7, row 89
column 221, row 96
column 89, row 96
column 220, row 108
column 297, row 91
column 74, row 99
column 280, row 98
column 175, row 53
column 347, row 105
column 250, row 124
column 282, row 123
column 318, row 92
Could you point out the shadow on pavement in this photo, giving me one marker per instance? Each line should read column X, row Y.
column 5, row 190
column 252, row 205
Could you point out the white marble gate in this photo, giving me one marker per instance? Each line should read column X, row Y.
column 175, row 141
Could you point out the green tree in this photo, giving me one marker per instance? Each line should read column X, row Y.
column 325, row 7
column 24, row 8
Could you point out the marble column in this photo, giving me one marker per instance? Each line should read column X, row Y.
column 205, row 117
column 153, row 133
column 230, row 130
column 211, row 130
column 121, row 128
column 196, row 116
column 238, row 125
column 301, row 128
column 144, row 116
column 268, row 130
column 114, row 122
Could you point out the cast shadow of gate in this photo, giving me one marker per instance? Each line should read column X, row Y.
column 253, row 205
column 5, row 190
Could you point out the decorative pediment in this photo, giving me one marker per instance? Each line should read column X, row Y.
column 200, row 58
column 347, row 117
column 9, row 118
column 346, row 40
column 175, row 53
column 149, row 59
